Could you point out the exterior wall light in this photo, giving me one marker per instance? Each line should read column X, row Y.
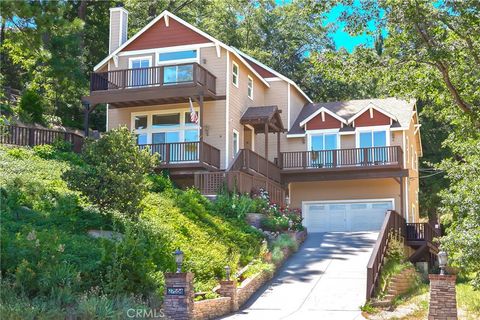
column 442, row 261
column 178, row 259
column 227, row 272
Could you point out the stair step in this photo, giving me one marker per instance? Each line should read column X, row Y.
column 382, row 303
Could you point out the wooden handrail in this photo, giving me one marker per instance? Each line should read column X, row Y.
column 30, row 136
column 393, row 225
column 420, row 232
column 247, row 159
column 149, row 76
column 373, row 156
column 210, row 183
column 177, row 152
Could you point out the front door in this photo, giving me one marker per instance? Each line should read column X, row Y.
column 248, row 138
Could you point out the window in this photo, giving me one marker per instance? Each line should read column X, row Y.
column 178, row 74
column 140, row 122
column 166, row 137
column 235, row 74
column 139, row 75
column 250, row 88
column 325, row 144
column 142, row 139
column 162, row 120
column 177, row 55
column 373, row 138
column 236, row 143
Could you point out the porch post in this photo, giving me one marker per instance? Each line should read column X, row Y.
column 402, row 196
column 200, row 122
column 200, row 114
column 266, row 140
column 278, row 147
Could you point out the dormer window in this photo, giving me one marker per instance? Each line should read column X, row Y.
column 235, row 74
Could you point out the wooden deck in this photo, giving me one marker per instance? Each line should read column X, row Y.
column 151, row 86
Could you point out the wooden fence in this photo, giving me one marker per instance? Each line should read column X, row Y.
column 29, row 136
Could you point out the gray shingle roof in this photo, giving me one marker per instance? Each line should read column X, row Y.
column 401, row 109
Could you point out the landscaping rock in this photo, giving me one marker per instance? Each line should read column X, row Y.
column 110, row 235
column 255, row 219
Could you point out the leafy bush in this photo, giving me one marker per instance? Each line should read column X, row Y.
column 114, row 174
column 31, row 107
column 232, row 205
column 275, row 224
column 160, row 182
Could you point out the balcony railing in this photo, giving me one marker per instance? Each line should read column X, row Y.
column 342, row 158
column 161, row 76
column 185, row 152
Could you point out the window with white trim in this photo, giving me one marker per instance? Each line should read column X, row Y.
column 236, row 142
column 177, row 56
column 374, row 139
column 235, row 74
column 326, row 144
column 138, row 75
column 250, row 88
column 165, row 127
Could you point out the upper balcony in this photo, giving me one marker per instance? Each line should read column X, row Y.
column 152, row 85
column 374, row 162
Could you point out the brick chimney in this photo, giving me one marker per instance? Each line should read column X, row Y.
column 118, row 27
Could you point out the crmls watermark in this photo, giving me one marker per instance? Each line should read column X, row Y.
column 145, row 313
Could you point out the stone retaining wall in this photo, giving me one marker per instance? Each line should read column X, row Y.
column 251, row 285
column 212, row 308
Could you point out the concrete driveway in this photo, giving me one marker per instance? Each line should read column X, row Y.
column 325, row 279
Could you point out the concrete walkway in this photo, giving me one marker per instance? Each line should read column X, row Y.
column 325, row 279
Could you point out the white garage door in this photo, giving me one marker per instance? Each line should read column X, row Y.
column 345, row 216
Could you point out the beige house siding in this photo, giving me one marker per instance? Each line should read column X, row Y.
column 114, row 29
column 297, row 101
column 216, row 66
column 350, row 190
column 239, row 102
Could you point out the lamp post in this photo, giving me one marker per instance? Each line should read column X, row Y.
column 227, row 272
column 442, row 261
column 178, row 259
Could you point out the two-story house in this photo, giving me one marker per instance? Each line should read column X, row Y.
column 219, row 117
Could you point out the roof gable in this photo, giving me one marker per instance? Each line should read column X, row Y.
column 371, row 108
column 372, row 117
column 323, row 121
column 159, row 35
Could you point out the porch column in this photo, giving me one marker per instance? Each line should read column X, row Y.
column 402, row 196
column 200, row 114
column 278, row 148
column 266, row 140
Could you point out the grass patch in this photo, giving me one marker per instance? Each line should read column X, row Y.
column 468, row 300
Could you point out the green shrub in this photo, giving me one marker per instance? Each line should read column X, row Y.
column 232, row 205
column 31, row 107
column 275, row 223
column 277, row 255
column 285, row 241
column 160, row 182
column 114, row 174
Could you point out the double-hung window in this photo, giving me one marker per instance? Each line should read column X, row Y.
column 250, row 88
column 235, row 74
column 236, row 142
column 375, row 142
column 139, row 74
column 323, row 148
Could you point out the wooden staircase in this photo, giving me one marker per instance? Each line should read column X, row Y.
column 248, row 172
column 418, row 236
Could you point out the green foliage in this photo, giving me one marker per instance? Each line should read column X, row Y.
column 114, row 174
column 258, row 266
column 233, row 205
column 368, row 308
column 31, row 107
column 275, row 223
column 160, row 182
column 52, row 268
